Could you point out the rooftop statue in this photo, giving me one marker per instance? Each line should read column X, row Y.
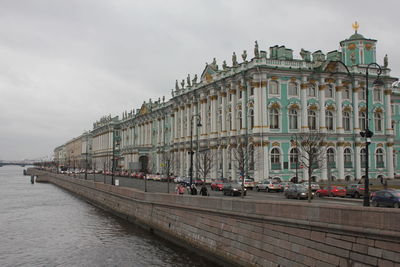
column 234, row 60
column 163, row 98
column 224, row 66
column 183, row 84
column 176, row 85
column 172, row 92
column 256, row 51
column 194, row 81
column 244, row 55
column 385, row 61
column 305, row 55
column 188, row 80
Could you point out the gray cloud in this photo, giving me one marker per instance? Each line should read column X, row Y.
column 64, row 64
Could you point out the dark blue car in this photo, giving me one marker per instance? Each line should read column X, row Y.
column 387, row 198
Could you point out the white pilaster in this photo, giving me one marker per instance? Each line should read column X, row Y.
column 339, row 113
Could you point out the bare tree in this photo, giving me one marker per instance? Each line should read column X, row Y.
column 167, row 164
column 312, row 153
column 205, row 163
column 242, row 154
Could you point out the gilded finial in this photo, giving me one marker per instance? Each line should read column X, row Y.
column 355, row 26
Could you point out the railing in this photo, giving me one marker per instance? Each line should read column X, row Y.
column 348, row 164
column 380, row 164
column 276, row 166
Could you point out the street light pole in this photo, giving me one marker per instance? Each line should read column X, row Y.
column 368, row 134
column 294, row 139
column 191, row 145
column 86, row 161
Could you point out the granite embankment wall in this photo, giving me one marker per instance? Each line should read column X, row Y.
column 244, row 232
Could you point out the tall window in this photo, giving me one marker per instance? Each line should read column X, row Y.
column 252, row 90
column 329, row 120
column 274, row 118
column 275, row 156
column 293, row 89
column 347, row 158
column 346, row 121
column 273, row 88
column 293, row 119
column 240, row 94
column 312, row 120
column 377, row 94
column 363, row 157
column 362, row 94
column 240, row 120
column 346, row 93
column 330, row 157
column 379, row 158
column 312, row 91
column 329, row 91
column 294, row 157
column 251, row 115
column 230, row 121
column 378, row 121
column 220, row 120
column 361, row 119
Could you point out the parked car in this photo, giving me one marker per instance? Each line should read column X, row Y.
column 218, row 184
column 249, row 183
column 331, row 191
column 314, row 186
column 355, row 190
column 233, row 188
column 269, row 185
column 298, row 191
column 386, row 198
column 285, row 185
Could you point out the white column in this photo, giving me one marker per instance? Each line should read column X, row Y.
column 223, row 95
column 266, row 159
column 321, row 98
column 203, row 105
column 389, row 158
column 357, row 159
column 355, row 107
column 339, row 114
column 258, row 162
column 324, row 169
column 233, row 165
column 258, row 110
column 303, row 101
column 224, row 162
column 340, row 162
column 235, row 129
column 388, row 110
column 214, row 114
column 188, row 120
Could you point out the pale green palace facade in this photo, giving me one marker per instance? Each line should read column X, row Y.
column 263, row 102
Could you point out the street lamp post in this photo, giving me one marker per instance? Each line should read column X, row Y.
column 293, row 139
column 86, row 160
column 368, row 133
column 191, row 144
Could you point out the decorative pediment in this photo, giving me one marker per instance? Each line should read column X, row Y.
column 333, row 67
column 208, row 73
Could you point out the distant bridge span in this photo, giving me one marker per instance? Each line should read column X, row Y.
column 22, row 164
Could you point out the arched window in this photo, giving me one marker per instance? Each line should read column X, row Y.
column 347, row 158
column 251, row 115
column 329, row 120
column 312, row 91
column 219, row 120
column 379, row 158
column 330, row 157
column 363, row 157
column 346, row 121
column 329, row 91
column 378, row 121
column 377, row 94
column 293, row 119
column 275, row 159
column 312, row 120
column 240, row 120
column 273, row 88
column 346, row 93
column 230, row 121
column 361, row 120
column 293, row 89
column 294, row 158
column 274, row 119
column 362, row 94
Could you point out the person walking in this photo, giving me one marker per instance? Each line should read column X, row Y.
column 204, row 191
column 193, row 189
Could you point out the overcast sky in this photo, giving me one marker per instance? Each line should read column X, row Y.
column 65, row 64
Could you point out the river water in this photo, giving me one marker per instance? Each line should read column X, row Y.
column 43, row 225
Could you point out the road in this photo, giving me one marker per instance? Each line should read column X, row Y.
column 162, row 187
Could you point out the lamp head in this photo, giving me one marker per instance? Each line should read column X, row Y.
column 378, row 82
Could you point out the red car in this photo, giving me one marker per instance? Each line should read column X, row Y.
column 331, row 191
column 217, row 184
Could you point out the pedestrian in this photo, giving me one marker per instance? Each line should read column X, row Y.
column 204, row 191
column 193, row 189
column 381, row 179
column 32, row 179
column 181, row 189
column 385, row 185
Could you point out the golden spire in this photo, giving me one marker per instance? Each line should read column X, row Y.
column 355, row 26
